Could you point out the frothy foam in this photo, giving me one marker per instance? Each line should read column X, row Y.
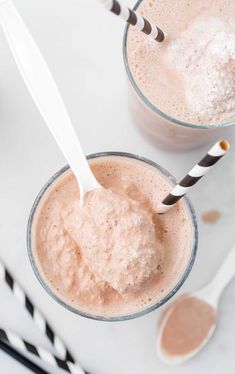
column 191, row 76
column 208, row 68
column 117, row 239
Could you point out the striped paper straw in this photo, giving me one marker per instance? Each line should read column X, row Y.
column 134, row 19
column 45, row 356
column 199, row 170
column 38, row 318
column 22, row 359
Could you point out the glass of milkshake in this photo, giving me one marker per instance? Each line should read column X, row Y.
column 182, row 91
column 147, row 261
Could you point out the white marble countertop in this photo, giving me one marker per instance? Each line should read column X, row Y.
column 87, row 64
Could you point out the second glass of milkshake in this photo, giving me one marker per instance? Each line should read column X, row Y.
column 128, row 266
column 182, row 91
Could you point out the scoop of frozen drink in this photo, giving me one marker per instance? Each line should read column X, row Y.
column 117, row 239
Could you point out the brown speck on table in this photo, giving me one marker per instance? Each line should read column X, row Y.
column 211, row 216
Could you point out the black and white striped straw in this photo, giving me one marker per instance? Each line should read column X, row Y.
column 22, row 359
column 135, row 19
column 197, row 172
column 45, row 356
column 38, row 318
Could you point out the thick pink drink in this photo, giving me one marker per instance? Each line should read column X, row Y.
column 125, row 266
column 183, row 90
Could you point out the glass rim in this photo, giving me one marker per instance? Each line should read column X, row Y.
column 148, row 103
column 122, row 317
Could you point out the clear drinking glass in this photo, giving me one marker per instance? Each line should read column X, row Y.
column 164, row 130
column 143, row 311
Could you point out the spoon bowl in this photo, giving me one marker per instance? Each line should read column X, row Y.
column 209, row 296
column 173, row 360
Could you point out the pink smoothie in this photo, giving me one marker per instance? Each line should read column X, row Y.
column 113, row 255
column 189, row 323
column 191, row 75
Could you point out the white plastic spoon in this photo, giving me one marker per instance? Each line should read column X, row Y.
column 45, row 94
column 209, row 294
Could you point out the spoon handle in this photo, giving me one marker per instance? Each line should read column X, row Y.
column 225, row 274
column 44, row 92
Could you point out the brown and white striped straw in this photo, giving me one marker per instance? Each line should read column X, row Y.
column 134, row 19
column 198, row 171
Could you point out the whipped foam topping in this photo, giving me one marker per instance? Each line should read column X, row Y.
column 204, row 56
column 116, row 237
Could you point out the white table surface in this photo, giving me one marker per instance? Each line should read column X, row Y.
column 86, row 61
